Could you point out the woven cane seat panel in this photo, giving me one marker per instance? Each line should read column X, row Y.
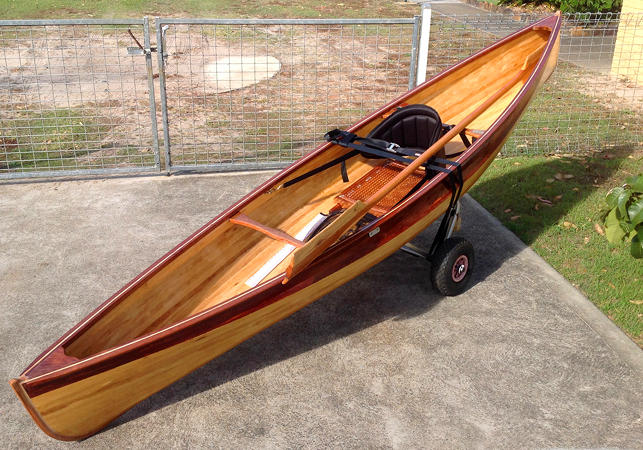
column 374, row 180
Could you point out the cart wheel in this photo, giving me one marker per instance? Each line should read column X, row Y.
column 451, row 266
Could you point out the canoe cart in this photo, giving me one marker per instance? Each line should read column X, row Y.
column 331, row 215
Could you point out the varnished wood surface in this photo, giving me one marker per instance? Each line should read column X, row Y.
column 242, row 219
column 306, row 254
column 104, row 396
column 193, row 304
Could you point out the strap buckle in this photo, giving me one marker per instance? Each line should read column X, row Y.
column 392, row 147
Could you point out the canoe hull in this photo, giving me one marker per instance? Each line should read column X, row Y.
column 82, row 397
column 101, row 398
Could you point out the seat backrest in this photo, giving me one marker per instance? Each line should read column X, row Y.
column 413, row 126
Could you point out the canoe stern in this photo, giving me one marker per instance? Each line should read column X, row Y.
column 17, row 386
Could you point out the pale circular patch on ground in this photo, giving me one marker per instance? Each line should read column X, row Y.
column 235, row 72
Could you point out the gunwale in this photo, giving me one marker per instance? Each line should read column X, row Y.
column 33, row 382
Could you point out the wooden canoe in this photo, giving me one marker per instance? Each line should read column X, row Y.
column 216, row 288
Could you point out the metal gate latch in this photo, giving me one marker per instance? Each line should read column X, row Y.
column 139, row 50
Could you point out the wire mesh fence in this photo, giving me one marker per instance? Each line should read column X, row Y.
column 71, row 99
column 594, row 99
column 250, row 94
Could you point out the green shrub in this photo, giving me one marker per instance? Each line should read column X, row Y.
column 572, row 6
column 624, row 220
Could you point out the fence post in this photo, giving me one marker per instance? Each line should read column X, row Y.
column 423, row 53
column 150, row 84
column 160, row 43
column 414, row 52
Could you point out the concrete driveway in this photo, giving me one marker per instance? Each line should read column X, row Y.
column 521, row 359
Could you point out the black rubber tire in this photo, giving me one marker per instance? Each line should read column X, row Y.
column 445, row 277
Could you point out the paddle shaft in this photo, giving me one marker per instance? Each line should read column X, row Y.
column 432, row 150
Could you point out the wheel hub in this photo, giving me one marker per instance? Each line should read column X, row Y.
column 459, row 270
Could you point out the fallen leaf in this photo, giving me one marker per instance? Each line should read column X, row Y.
column 575, row 189
column 599, row 229
column 567, row 224
column 586, row 240
column 612, row 285
column 508, row 210
column 609, row 156
column 559, row 176
column 637, row 302
column 558, row 197
column 536, row 207
column 514, row 218
column 568, row 176
column 517, row 164
column 545, row 201
column 549, row 180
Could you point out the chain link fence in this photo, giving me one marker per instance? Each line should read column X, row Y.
column 245, row 94
column 72, row 101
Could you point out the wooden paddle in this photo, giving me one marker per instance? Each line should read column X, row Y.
column 303, row 256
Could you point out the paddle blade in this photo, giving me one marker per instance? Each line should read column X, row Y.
column 303, row 256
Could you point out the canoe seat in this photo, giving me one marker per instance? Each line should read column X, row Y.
column 415, row 127
column 375, row 179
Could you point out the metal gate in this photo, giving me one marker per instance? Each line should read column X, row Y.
column 78, row 96
column 249, row 94
column 73, row 100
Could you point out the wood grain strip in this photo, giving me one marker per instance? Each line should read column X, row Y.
column 274, row 233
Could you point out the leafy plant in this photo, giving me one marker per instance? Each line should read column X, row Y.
column 624, row 220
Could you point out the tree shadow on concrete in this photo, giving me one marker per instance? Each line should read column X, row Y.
column 525, row 191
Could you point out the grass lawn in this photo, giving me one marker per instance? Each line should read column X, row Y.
column 555, row 205
column 64, row 9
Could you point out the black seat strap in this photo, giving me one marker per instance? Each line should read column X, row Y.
column 463, row 135
column 344, row 172
column 342, row 159
column 370, row 146
column 430, row 169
